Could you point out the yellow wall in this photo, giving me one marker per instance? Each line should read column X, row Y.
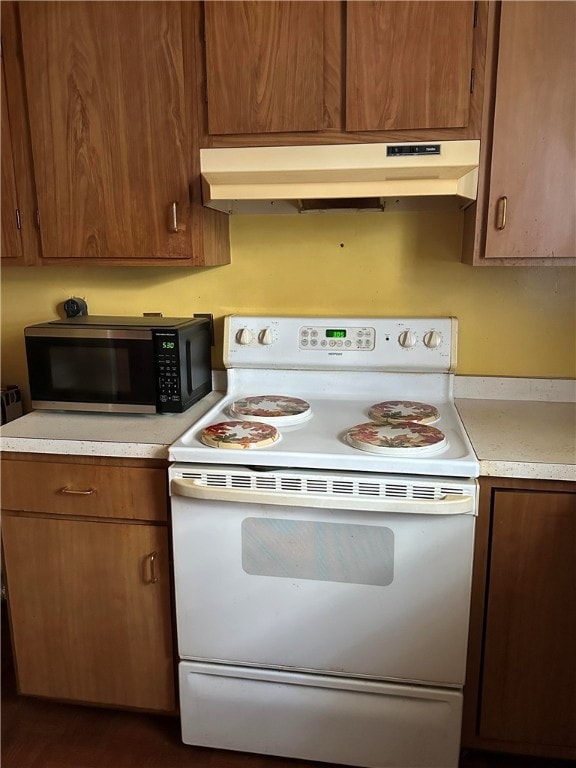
column 512, row 321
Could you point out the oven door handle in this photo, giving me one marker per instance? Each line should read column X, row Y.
column 448, row 504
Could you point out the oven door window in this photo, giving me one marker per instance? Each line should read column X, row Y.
column 300, row 549
column 92, row 370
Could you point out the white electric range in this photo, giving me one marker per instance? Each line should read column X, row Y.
column 323, row 523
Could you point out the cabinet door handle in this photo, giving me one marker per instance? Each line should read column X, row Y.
column 154, row 578
column 174, row 217
column 74, row 492
column 502, row 207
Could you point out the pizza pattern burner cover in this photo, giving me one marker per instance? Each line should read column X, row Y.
column 239, row 435
column 271, row 409
column 403, row 410
column 396, row 438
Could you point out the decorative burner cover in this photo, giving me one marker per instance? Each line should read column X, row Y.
column 404, row 410
column 396, row 439
column 271, row 409
column 239, row 434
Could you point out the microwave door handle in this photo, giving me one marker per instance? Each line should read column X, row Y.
column 189, row 366
column 448, row 504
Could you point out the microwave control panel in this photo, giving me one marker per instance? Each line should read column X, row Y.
column 168, row 368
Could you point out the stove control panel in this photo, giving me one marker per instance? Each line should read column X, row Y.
column 321, row 343
column 352, row 338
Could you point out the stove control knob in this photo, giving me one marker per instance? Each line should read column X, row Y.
column 265, row 336
column 406, row 339
column 432, row 339
column 244, row 336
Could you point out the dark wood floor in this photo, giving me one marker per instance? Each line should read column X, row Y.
column 41, row 734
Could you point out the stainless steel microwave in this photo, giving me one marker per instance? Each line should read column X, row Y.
column 119, row 364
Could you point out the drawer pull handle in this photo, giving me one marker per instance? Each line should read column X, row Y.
column 154, row 578
column 72, row 491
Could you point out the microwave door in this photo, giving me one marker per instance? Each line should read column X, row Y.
column 92, row 373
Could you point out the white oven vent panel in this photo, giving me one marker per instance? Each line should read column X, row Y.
column 293, row 488
column 333, row 485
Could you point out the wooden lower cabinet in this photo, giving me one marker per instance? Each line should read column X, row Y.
column 520, row 694
column 89, row 596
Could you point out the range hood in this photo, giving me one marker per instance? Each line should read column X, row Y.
column 341, row 177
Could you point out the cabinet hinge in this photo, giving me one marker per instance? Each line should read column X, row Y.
column 18, row 219
column 472, row 79
column 475, row 14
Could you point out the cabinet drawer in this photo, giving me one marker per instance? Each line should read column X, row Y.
column 99, row 490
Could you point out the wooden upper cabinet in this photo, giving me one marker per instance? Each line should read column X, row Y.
column 338, row 72
column 20, row 241
column 264, row 63
column 532, row 193
column 11, row 237
column 408, row 65
column 106, row 101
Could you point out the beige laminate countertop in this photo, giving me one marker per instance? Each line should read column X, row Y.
column 101, row 434
column 522, row 438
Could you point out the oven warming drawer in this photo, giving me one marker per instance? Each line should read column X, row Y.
column 317, row 717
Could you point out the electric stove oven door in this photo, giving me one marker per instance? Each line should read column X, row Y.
column 341, row 582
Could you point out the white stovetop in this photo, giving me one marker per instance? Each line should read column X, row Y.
column 339, row 402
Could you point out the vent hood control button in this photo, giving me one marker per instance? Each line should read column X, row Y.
column 407, row 339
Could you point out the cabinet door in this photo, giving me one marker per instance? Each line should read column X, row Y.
column 105, row 90
column 408, row 65
column 90, row 610
column 11, row 239
column 529, row 678
column 264, row 63
column 532, row 195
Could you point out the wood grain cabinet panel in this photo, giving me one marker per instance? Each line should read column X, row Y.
column 90, row 611
column 106, row 100
column 264, row 63
column 20, row 240
column 68, row 488
column 408, row 65
column 529, row 678
column 11, row 238
column 88, row 579
column 520, row 692
column 524, row 215
column 329, row 72
column 532, row 202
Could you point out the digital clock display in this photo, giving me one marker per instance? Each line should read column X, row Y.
column 332, row 333
column 168, row 345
